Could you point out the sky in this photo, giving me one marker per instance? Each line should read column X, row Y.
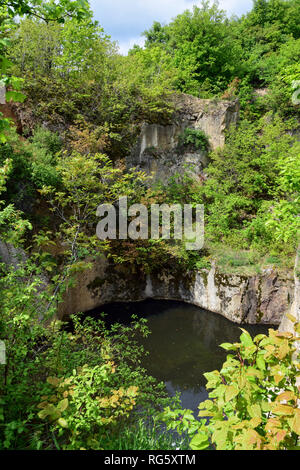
column 125, row 20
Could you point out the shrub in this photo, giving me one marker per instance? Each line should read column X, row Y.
column 50, row 141
column 194, row 138
column 67, row 389
column 253, row 399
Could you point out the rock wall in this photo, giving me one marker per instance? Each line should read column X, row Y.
column 157, row 150
column 10, row 255
column 264, row 298
column 2, row 94
column 261, row 299
column 213, row 116
column 286, row 324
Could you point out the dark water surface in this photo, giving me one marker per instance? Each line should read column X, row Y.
column 183, row 345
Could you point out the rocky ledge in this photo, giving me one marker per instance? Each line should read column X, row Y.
column 263, row 298
column 157, row 150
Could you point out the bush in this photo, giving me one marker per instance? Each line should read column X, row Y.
column 253, row 399
column 45, row 139
column 63, row 389
column 194, row 138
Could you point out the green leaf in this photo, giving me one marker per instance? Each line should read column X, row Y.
column 258, row 338
column 213, row 378
column 261, row 363
column 50, row 410
column 228, row 347
column 231, row 392
column 62, row 422
column 220, row 438
column 295, row 425
column 15, row 96
column 254, row 411
column 63, row 405
column 199, row 442
column 246, row 339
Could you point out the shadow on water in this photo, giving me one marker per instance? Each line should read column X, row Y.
column 183, row 345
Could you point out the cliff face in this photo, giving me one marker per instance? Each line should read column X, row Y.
column 255, row 299
column 157, row 150
column 286, row 324
column 214, row 117
column 262, row 298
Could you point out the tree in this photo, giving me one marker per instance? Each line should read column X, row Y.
column 201, row 47
column 259, row 12
column 241, row 181
column 285, row 219
column 157, row 34
column 48, row 11
column 12, row 224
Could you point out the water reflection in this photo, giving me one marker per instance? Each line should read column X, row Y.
column 183, row 345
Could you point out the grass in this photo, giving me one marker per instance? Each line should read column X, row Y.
column 248, row 262
column 142, row 436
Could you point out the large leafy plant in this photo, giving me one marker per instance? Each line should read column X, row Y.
column 83, row 406
column 253, row 399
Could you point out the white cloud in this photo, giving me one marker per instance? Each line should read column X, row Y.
column 125, row 20
column 124, row 46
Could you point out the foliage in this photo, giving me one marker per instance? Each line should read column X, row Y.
column 211, row 52
column 253, row 404
column 12, row 224
column 49, row 11
column 200, row 44
column 88, row 181
column 67, row 86
column 243, row 179
column 195, row 138
column 52, row 377
column 84, row 387
column 285, row 214
column 85, row 412
column 33, row 165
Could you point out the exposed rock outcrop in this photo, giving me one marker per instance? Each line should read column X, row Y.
column 262, row 298
column 286, row 324
column 2, row 94
column 212, row 116
column 157, row 150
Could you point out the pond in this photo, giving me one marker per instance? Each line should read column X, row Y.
column 183, row 345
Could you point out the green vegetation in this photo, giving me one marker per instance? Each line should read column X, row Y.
column 194, row 138
column 244, row 180
column 253, row 401
column 83, row 105
column 201, row 47
column 45, row 400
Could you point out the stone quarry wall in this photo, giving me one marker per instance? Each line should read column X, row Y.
column 286, row 324
column 212, row 116
column 157, row 150
column 263, row 298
